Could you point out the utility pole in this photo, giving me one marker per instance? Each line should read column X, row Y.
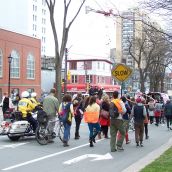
column 65, row 72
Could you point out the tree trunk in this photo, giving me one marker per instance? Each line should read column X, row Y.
column 58, row 77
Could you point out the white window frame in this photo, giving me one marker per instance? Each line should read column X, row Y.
column 30, row 67
column 15, row 64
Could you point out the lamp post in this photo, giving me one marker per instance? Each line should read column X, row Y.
column 9, row 76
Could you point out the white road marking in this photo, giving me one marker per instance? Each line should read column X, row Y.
column 97, row 158
column 12, row 145
column 45, row 157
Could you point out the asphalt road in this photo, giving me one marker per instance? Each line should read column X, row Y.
column 27, row 155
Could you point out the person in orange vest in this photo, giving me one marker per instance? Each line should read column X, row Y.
column 91, row 116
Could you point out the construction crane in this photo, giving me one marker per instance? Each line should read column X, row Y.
column 105, row 13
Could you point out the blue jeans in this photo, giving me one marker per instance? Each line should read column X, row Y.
column 66, row 131
column 93, row 126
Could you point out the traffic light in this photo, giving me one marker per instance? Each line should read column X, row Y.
column 68, row 75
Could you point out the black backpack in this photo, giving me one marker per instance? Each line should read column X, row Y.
column 138, row 113
column 113, row 110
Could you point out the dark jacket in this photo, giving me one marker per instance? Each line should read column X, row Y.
column 168, row 109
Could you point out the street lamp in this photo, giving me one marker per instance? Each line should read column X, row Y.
column 9, row 76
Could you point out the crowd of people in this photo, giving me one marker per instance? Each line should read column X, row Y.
column 101, row 112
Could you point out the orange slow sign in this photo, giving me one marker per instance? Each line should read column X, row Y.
column 121, row 72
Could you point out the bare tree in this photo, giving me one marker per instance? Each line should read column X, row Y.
column 60, row 46
column 148, row 53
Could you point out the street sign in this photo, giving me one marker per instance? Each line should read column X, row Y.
column 121, row 72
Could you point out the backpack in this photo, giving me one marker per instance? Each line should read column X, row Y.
column 138, row 113
column 64, row 114
column 42, row 117
column 113, row 110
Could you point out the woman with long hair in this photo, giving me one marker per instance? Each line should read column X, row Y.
column 91, row 116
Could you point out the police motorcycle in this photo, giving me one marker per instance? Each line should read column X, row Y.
column 15, row 127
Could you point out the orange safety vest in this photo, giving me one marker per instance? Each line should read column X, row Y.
column 118, row 104
column 91, row 117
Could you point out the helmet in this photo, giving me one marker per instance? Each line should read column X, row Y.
column 25, row 94
column 33, row 94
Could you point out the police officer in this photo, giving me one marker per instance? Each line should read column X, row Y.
column 26, row 107
column 35, row 101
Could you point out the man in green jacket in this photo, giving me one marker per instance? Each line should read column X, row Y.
column 51, row 106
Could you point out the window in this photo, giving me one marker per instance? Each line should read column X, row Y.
column 73, row 65
column 74, row 79
column 103, row 66
column 89, row 78
column 87, row 65
column 15, row 64
column 1, row 63
column 30, row 67
column 98, row 65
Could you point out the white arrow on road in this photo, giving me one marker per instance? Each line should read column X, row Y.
column 95, row 156
column 12, row 145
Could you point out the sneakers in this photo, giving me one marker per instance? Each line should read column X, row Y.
column 114, row 150
column 65, row 144
column 141, row 144
column 128, row 142
column 137, row 144
column 120, row 148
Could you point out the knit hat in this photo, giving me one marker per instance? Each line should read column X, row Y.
column 138, row 100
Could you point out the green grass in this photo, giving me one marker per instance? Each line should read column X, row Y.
column 161, row 164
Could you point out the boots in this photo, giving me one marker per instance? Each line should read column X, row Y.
column 76, row 136
column 91, row 143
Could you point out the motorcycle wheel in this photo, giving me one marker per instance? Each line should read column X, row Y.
column 41, row 135
column 13, row 138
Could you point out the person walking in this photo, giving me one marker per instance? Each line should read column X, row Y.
column 157, row 112
column 116, row 122
column 50, row 106
column 126, row 118
column 146, row 120
column 91, row 116
column 78, row 113
column 66, row 113
column 139, row 113
column 104, row 119
column 168, row 113
column 151, row 108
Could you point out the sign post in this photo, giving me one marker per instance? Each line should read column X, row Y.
column 121, row 73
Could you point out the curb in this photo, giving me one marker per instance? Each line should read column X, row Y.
column 140, row 164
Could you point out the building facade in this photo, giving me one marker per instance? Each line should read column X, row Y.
column 25, row 64
column 83, row 73
column 28, row 17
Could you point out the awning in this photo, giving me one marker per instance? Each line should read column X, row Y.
column 83, row 87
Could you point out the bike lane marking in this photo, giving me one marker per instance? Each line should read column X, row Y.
column 45, row 157
column 12, row 145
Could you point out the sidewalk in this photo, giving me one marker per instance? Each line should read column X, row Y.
column 141, row 163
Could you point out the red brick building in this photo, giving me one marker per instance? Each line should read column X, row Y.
column 25, row 64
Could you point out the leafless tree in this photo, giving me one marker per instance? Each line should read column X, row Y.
column 149, row 56
column 60, row 45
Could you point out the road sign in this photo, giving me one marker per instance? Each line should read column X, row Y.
column 121, row 72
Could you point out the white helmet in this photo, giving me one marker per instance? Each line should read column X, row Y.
column 25, row 94
column 33, row 94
